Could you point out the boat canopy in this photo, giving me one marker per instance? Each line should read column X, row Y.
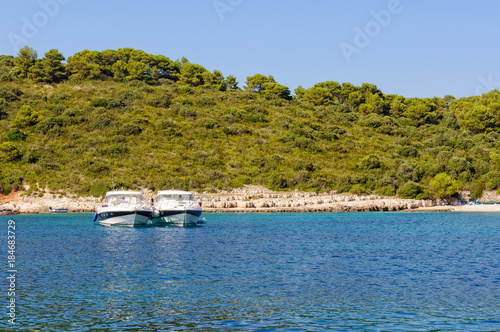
column 123, row 198
column 174, row 195
column 123, row 192
column 173, row 192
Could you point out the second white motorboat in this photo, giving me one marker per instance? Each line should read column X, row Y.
column 123, row 208
column 176, row 208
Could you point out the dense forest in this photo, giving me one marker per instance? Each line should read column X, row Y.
column 137, row 120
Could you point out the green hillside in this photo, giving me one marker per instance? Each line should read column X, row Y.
column 139, row 120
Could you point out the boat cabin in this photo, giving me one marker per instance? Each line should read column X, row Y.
column 174, row 195
column 129, row 198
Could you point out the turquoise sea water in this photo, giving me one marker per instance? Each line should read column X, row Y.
column 257, row 272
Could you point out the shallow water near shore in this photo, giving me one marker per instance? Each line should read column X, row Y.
column 258, row 272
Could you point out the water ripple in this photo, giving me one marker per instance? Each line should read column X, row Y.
column 261, row 272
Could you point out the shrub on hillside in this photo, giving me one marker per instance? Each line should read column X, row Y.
column 99, row 102
column 114, row 150
column 477, row 190
column 358, row 189
column 277, row 181
column 100, row 121
column 492, row 180
column 15, row 135
column 32, row 156
column 410, row 190
column 11, row 93
column 117, row 103
column 207, row 123
column 130, row 129
column 370, row 162
column 50, row 125
column 374, row 120
column 410, row 171
column 160, row 101
column 26, row 117
column 9, row 152
column 443, row 186
column 387, row 191
column 6, row 190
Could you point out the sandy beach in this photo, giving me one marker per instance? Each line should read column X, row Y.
column 462, row 208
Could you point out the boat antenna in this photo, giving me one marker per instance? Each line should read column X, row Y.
column 113, row 181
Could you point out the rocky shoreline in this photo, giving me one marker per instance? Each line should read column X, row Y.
column 16, row 202
column 259, row 199
column 251, row 199
column 248, row 199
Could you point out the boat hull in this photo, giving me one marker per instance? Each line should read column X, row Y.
column 121, row 218
column 180, row 218
column 58, row 210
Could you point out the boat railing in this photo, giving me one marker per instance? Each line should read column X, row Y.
column 124, row 202
column 171, row 201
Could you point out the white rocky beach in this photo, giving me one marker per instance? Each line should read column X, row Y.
column 255, row 199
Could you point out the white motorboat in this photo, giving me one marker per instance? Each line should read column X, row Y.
column 123, row 208
column 63, row 210
column 176, row 208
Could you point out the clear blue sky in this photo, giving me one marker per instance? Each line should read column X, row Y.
column 414, row 48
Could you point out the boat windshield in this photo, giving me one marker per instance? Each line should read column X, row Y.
column 125, row 199
column 187, row 197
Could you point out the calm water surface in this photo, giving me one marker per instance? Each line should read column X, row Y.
column 258, row 272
